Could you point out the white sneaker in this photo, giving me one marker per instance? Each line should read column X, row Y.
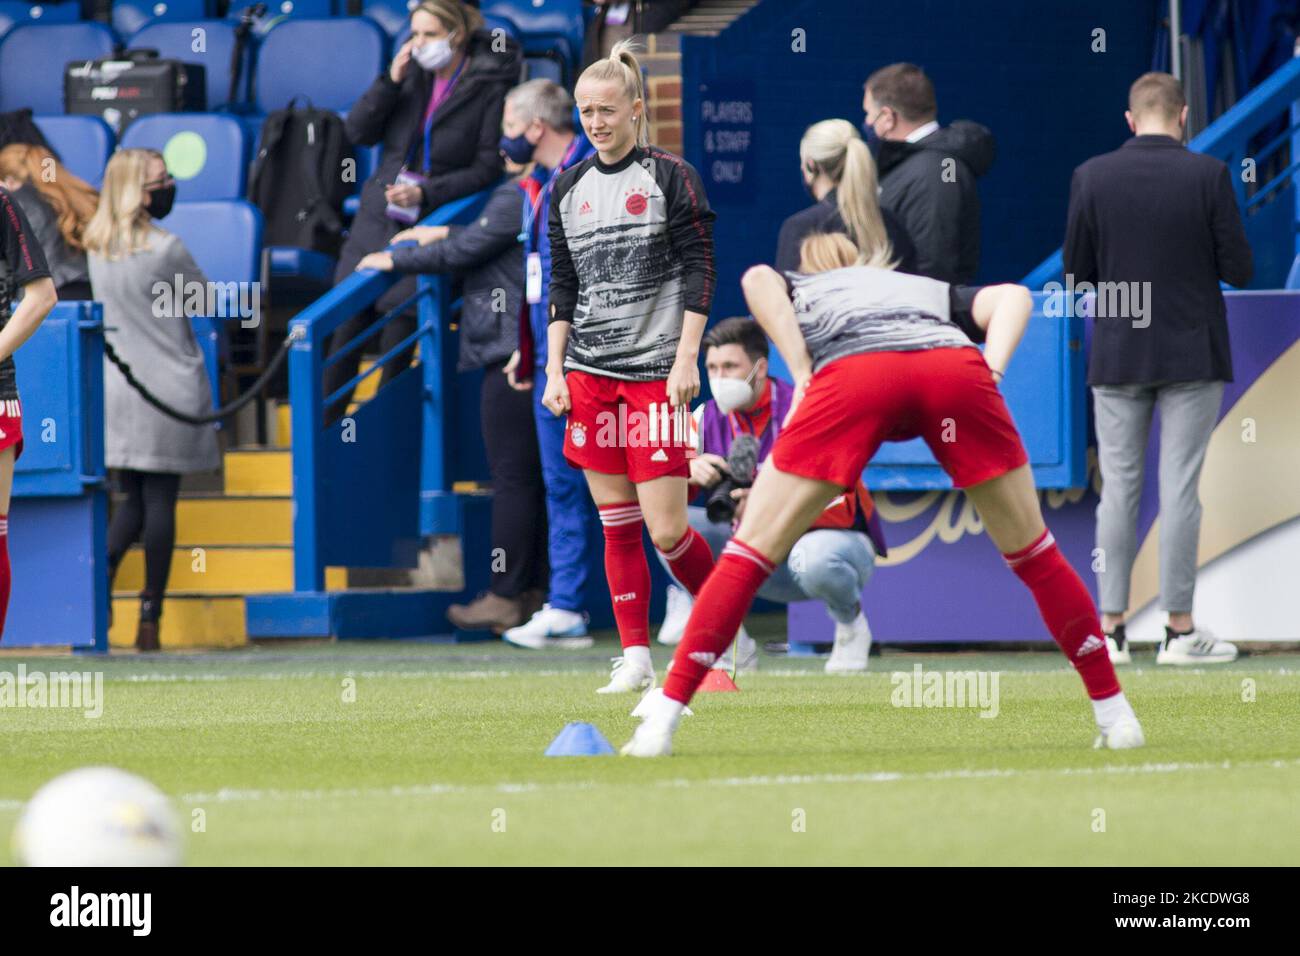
column 654, row 738
column 646, row 706
column 551, row 627
column 1124, row 734
column 1198, row 647
column 627, row 677
column 744, row 646
column 1118, row 654
column 852, row 647
column 676, row 615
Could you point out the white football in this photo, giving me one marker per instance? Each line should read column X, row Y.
column 98, row 816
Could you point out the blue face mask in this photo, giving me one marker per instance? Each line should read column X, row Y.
column 871, row 137
column 517, row 149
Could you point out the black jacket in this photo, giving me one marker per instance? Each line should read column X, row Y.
column 464, row 155
column 67, row 265
column 938, row 203
column 825, row 217
column 1153, row 211
column 488, row 257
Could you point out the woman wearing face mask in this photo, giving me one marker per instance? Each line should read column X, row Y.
column 839, row 173
column 437, row 112
column 58, row 206
column 131, row 258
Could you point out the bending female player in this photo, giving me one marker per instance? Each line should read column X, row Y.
column 881, row 356
column 632, row 278
column 22, row 266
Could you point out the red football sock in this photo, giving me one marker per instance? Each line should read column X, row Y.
column 690, row 560
column 720, row 607
column 627, row 572
column 1068, row 611
column 5, row 577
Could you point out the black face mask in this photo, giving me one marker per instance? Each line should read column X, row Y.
column 159, row 201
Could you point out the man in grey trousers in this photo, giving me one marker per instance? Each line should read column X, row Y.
column 1156, row 227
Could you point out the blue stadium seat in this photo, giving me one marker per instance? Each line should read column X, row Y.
column 32, row 59
column 330, row 62
column 391, row 15
column 552, row 30
column 13, row 14
column 225, row 239
column 175, row 41
column 368, row 158
column 83, row 143
column 206, row 152
column 132, row 15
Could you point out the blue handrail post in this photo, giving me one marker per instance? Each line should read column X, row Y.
column 306, row 421
column 438, row 513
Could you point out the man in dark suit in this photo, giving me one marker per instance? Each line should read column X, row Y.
column 1157, row 224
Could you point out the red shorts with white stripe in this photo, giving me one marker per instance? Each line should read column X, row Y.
column 946, row 396
column 11, row 426
column 626, row 428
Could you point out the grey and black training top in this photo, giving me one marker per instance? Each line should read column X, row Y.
column 631, row 252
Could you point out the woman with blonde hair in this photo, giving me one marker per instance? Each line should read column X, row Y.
column 632, row 280
column 839, row 172
column 58, row 206
column 134, row 268
column 880, row 356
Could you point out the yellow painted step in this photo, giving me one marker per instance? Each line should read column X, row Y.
column 259, row 472
column 283, row 425
column 188, row 621
column 208, row 521
column 367, row 387
column 223, row 570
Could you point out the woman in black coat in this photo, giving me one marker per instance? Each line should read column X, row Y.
column 452, row 64
column 841, row 175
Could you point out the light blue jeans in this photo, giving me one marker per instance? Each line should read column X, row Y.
column 827, row 565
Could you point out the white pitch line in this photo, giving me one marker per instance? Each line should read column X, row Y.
column 232, row 795
column 779, row 780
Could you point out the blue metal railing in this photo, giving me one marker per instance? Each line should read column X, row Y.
column 1228, row 138
column 344, row 507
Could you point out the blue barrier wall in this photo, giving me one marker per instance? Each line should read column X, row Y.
column 1025, row 70
column 59, row 513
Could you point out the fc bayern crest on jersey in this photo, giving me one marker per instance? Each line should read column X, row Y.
column 636, row 203
column 579, row 434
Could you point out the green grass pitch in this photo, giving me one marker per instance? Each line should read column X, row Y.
column 411, row 753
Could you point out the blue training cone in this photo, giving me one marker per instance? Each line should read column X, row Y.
column 579, row 740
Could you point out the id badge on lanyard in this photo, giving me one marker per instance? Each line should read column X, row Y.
column 533, row 278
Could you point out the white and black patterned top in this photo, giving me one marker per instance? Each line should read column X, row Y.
column 631, row 252
column 21, row 261
column 865, row 309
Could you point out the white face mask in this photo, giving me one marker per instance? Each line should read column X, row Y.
column 435, row 54
column 733, row 393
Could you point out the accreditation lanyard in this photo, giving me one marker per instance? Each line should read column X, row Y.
column 435, row 101
column 533, row 209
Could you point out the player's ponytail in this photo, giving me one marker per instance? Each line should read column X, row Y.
column 824, row 251
column 623, row 68
column 834, row 147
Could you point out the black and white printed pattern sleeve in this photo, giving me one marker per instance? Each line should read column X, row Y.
column 563, row 291
column 690, row 226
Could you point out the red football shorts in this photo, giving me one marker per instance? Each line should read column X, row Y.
column 626, row 428
column 946, row 396
column 11, row 426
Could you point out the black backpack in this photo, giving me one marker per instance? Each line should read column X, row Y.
column 297, row 178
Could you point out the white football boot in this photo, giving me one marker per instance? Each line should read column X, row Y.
column 631, row 673
column 745, row 649
column 852, row 647
column 677, row 613
column 1124, row 734
column 654, row 737
column 1198, row 647
column 551, row 627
